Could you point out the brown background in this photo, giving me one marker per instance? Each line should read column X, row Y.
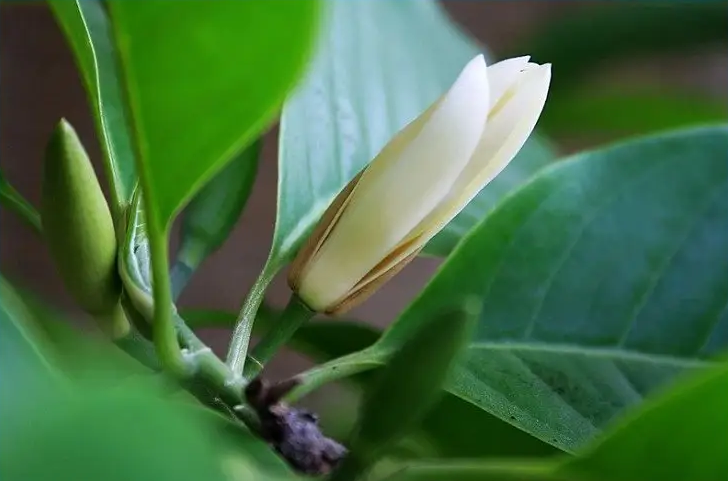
column 39, row 84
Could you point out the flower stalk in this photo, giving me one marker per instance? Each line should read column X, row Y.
column 293, row 316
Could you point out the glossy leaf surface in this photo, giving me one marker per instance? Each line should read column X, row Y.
column 203, row 79
column 601, row 280
column 676, row 435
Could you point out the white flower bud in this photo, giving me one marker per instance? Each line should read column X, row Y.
column 421, row 179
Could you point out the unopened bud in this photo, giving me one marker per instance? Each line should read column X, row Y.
column 78, row 226
column 420, row 180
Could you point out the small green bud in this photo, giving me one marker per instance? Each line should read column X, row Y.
column 78, row 226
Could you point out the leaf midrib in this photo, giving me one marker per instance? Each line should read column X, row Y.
column 609, row 353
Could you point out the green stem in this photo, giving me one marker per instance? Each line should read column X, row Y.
column 139, row 348
column 213, row 372
column 238, row 349
column 163, row 327
column 357, row 362
column 15, row 202
column 293, row 316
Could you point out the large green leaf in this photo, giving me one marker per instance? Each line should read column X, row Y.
column 601, row 279
column 108, row 433
column 105, row 421
column 378, row 66
column 86, row 28
column 678, row 435
column 203, row 79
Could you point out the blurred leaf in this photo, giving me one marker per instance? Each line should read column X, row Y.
column 406, row 388
column 15, row 202
column 87, row 30
column 619, row 113
column 601, row 279
column 77, row 352
column 97, row 364
column 673, row 436
column 26, row 360
column 210, row 217
column 378, row 66
column 28, row 372
column 203, row 79
column 477, row 471
column 454, row 427
column 577, row 43
column 109, row 434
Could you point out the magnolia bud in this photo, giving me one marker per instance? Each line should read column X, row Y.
column 77, row 225
column 421, row 179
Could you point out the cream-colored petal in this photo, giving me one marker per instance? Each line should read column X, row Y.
column 505, row 134
column 503, row 74
column 408, row 179
column 508, row 128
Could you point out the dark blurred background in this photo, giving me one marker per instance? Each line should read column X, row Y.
column 39, row 84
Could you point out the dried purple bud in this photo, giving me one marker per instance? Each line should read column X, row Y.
column 294, row 433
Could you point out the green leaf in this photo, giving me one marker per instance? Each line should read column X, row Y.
column 619, row 112
column 77, row 353
column 578, row 43
column 203, row 79
column 407, row 388
column 15, row 202
column 672, row 436
column 601, row 279
column 210, row 217
column 477, row 471
column 26, row 357
column 378, row 66
column 255, row 458
column 457, row 428
column 535, row 154
column 111, row 434
column 135, row 259
column 86, row 28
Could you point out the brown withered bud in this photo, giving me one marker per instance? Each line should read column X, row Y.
column 294, row 433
